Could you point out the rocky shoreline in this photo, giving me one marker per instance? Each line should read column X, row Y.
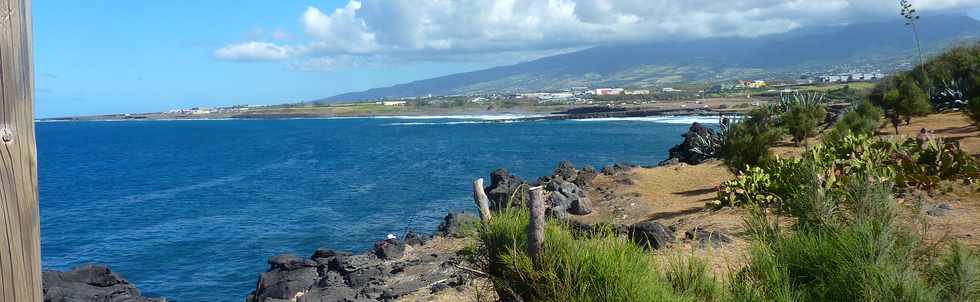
column 418, row 266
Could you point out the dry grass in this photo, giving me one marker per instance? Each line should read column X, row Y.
column 951, row 126
column 674, row 196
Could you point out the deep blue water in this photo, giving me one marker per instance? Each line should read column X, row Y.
column 191, row 210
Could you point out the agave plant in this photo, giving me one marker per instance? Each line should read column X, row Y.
column 706, row 145
column 806, row 99
column 949, row 95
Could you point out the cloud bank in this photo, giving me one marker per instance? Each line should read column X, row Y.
column 440, row 29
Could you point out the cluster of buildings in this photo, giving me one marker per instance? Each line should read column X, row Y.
column 852, row 77
column 737, row 84
column 391, row 103
column 618, row 91
column 206, row 110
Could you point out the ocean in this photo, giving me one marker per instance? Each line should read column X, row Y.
column 191, row 210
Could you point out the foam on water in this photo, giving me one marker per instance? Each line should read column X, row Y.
column 658, row 119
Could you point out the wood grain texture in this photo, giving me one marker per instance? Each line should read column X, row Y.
column 482, row 201
column 535, row 230
column 20, row 245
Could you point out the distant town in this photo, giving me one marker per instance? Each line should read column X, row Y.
column 734, row 95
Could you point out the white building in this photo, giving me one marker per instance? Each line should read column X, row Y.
column 608, row 91
column 394, row 103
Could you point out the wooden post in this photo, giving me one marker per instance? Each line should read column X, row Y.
column 482, row 202
column 535, row 230
column 20, row 244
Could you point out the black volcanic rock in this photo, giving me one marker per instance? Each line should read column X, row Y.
column 700, row 144
column 389, row 249
column 392, row 270
column 506, row 190
column 458, row 225
column 566, row 171
column 707, row 238
column 651, row 234
column 585, row 177
column 90, row 283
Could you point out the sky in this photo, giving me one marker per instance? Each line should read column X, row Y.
column 101, row 57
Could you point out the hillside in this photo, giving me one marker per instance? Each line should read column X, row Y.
column 877, row 44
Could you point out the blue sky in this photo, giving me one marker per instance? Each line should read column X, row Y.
column 97, row 57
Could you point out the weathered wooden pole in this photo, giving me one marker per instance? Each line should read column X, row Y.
column 535, row 230
column 482, row 202
column 20, row 243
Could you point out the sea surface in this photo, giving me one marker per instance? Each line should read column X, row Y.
column 191, row 210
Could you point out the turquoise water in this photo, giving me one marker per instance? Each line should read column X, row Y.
column 190, row 210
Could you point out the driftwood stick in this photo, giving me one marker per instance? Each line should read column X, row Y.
column 482, row 202
column 535, row 230
column 473, row 271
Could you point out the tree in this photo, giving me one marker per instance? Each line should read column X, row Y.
column 861, row 118
column 973, row 104
column 901, row 98
column 747, row 143
column 801, row 120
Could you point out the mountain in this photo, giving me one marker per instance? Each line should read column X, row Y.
column 875, row 44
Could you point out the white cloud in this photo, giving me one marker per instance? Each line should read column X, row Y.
column 254, row 51
column 440, row 29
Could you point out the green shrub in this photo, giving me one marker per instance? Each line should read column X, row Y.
column 750, row 187
column 925, row 164
column 747, row 142
column 909, row 164
column 972, row 108
column 848, row 246
column 602, row 267
column 902, row 98
column 801, row 121
column 862, row 118
column 690, row 275
column 958, row 275
column 801, row 114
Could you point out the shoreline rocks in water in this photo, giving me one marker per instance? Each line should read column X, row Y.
column 393, row 269
column 90, row 283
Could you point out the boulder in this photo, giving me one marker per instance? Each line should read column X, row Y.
column 506, row 190
column 617, row 169
column 706, row 238
column 585, row 177
column 413, row 238
column 650, row 234
column 459, row 225
column 566, row 171
column 700, row 144
column 289, row 262
column 326, row 253
column 389, row 249
column 939, row 210
column 350, row 264
column 581, row 206
column 568, row 197
column 95, row 283
column 280, row 282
